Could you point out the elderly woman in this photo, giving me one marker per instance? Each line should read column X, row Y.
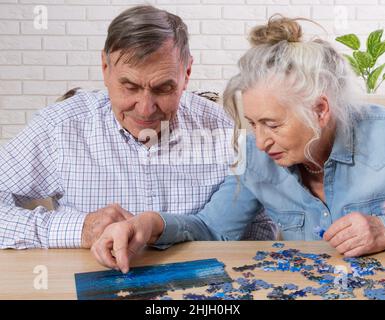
column 315, row 160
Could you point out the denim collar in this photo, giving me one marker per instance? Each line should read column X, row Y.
column 343, row 146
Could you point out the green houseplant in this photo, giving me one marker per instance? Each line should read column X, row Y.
column 364, row 63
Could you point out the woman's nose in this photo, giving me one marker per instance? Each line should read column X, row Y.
column 261, row 140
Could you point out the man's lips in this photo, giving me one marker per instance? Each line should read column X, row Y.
column 145, row 122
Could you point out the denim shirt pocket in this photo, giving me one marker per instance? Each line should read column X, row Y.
column 374, row 207
column 290, row 223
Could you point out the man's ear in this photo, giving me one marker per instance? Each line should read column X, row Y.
column 322, row 111
column 188, row 72
column 105, row 67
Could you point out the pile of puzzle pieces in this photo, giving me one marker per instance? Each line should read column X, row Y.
column 331, row 282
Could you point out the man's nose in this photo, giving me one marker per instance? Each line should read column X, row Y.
column 146, row 105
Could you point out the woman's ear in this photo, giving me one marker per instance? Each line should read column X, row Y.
column 322, row 111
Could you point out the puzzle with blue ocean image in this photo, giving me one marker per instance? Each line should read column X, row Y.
column 208, row 280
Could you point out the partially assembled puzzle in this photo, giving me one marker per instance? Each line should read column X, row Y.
column 155, row 282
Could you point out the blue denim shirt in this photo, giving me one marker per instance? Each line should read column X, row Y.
column 354, row 180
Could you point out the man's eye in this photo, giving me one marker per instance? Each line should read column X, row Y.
column 131, row 88
column 164, row 89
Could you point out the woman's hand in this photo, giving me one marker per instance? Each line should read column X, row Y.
column 356, row 234
column 126, row 238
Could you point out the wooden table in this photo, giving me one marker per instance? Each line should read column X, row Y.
column 17, row 275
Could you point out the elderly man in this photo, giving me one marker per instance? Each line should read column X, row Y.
column 98, row 154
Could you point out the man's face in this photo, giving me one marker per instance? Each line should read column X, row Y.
column 145, row 94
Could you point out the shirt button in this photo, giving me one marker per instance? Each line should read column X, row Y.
column 326, row 214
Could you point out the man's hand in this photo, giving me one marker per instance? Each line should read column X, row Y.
column 97, row 221
column 356, row 234
column 126, row 238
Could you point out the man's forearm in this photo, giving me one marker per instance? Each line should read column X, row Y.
column 40, row 228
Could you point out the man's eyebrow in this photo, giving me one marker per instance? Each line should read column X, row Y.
column 125, row 80
column 166, row 83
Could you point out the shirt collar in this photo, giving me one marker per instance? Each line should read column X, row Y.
column 343, row 147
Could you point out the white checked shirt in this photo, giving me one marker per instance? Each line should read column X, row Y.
column 78, row 154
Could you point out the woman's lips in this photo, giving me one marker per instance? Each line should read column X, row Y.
column 275, row 155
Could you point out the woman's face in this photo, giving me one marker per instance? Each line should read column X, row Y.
column 278, row 131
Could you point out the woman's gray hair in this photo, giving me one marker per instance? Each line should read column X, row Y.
column 140, row 31
column 299, row 72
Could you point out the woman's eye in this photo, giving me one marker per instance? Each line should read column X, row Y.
column 251, row 123
column 272, row 126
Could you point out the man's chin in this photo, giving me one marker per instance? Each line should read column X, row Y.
column 142, row 128
column 144, row 134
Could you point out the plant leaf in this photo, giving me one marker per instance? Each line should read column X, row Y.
column 364, row 59
column 373, row 39
column 373, row 76
column 353, row 64
column 350, row 40
column 378, row 49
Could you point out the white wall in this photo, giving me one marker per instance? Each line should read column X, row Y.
column 37, row 66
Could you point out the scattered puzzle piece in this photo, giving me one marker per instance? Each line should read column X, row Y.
column 318, row 231
column 314, row 267
column 278, row 245
column 375, row 294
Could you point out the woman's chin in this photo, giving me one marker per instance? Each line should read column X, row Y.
column 283, row 162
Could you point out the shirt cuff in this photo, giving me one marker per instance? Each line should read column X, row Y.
column 172, row 227
column 65, row 229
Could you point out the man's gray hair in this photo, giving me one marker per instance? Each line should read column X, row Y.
column 140, row 31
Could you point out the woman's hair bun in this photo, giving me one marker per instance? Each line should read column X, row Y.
column 277, row 29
